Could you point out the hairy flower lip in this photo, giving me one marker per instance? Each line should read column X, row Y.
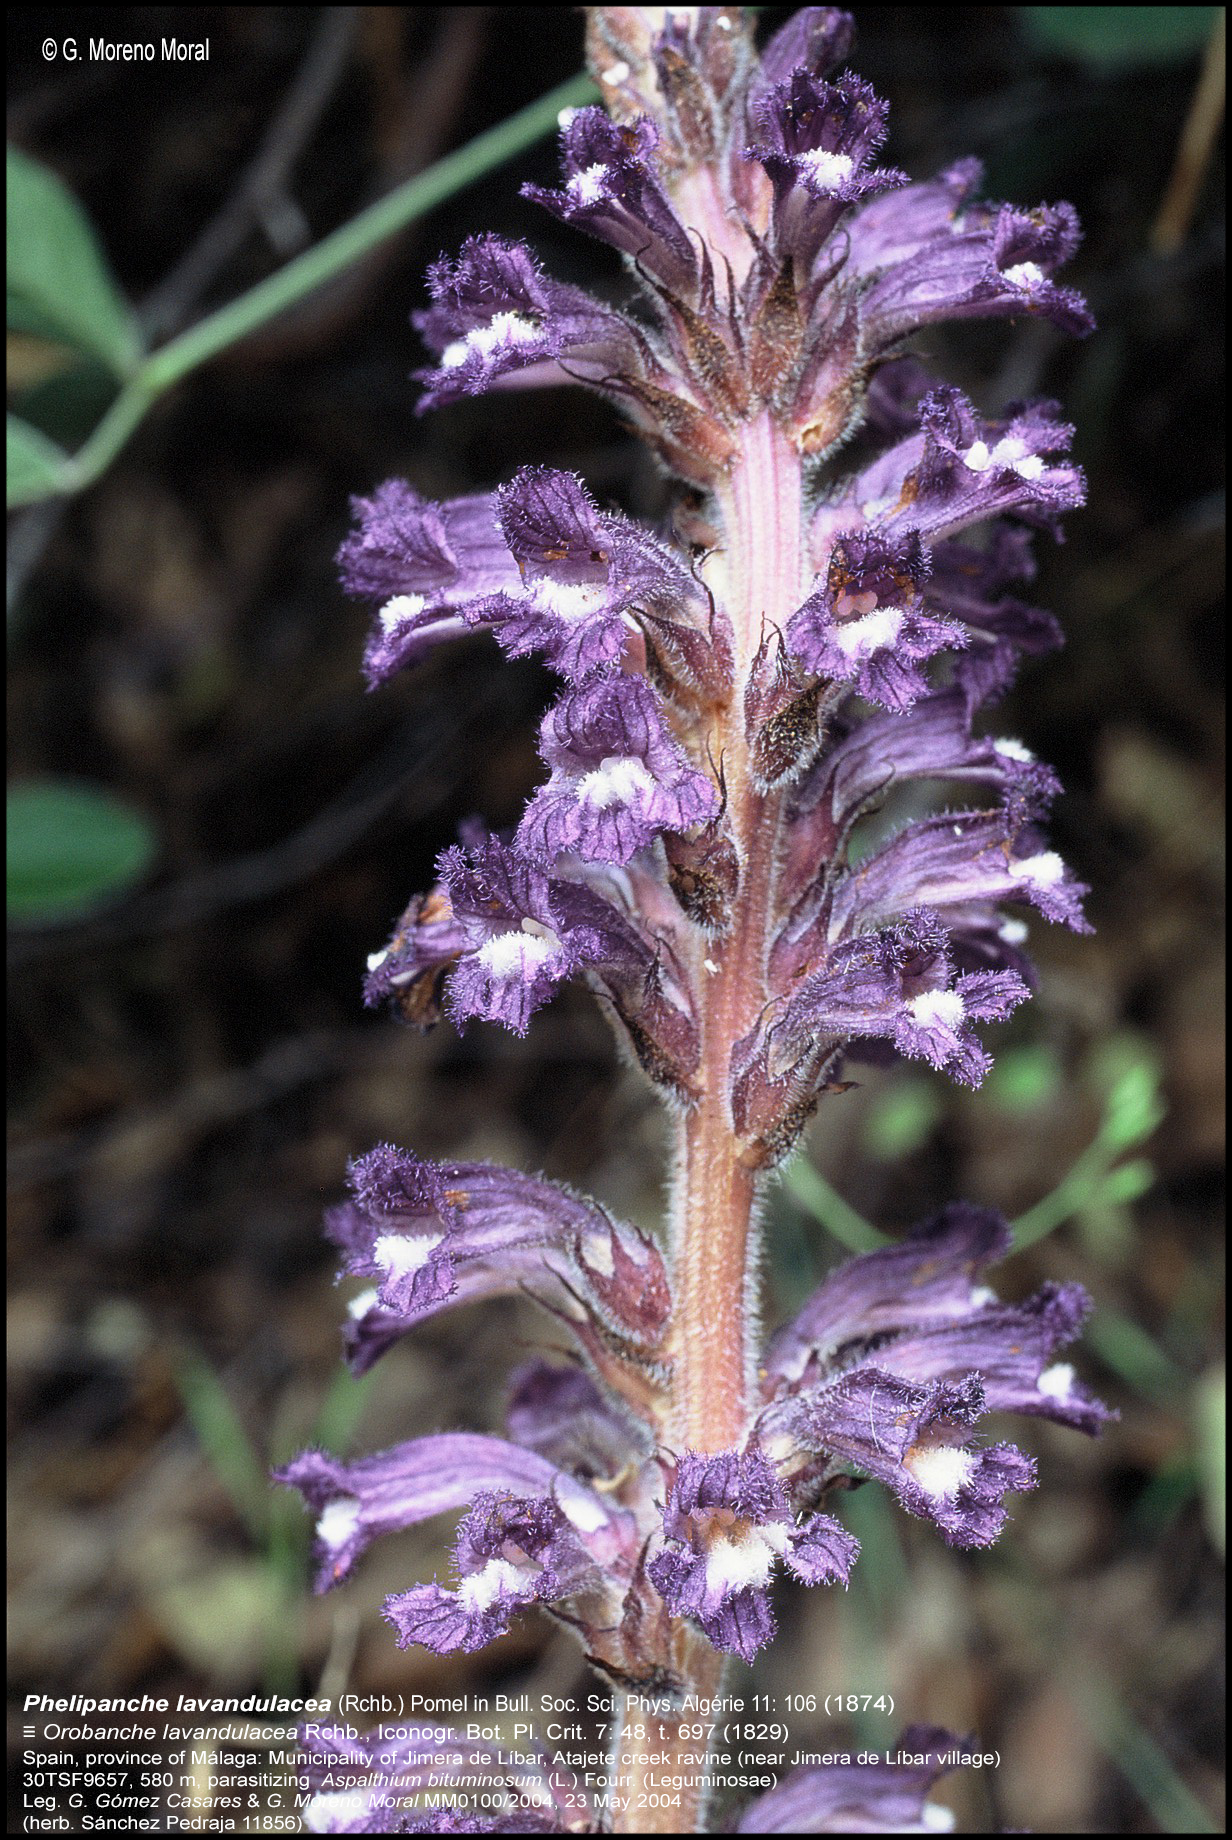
column 726, row 1522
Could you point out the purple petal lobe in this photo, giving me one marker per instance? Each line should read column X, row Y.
column 612, row 189
column 951, row 861
column 930, row 1278
column 867, row 625
column 584, row 577
column 496, row 318
column 898, row 983
column 425, row 564
column 433, row 1235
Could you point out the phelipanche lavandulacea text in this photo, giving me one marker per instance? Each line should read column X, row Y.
column 824, row 617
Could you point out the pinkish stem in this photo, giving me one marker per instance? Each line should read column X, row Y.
column 757, row 575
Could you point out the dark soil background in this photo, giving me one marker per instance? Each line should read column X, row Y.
column 191, row 1069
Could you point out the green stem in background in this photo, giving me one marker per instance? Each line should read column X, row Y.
column 1146, row 1767
column 1091, row 1178
column 826, row 1205
column 302, row 276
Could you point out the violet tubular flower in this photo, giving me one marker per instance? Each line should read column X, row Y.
column 738, row 693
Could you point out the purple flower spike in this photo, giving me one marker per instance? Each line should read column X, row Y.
column 726, row 1521
column 510, row 1553
column 356, row 1502
column 918, row 1440
column 889, row 1797
column 618, row 778
column 742, row 844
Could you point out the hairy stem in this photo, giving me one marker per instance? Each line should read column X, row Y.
column 756, row 575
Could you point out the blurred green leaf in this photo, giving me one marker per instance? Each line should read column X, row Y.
column 1130, row 1352
column 67, row 403
column 34, row 466
column 224, row 1440
column 1128, row 1182
column 1166, row 1495
column 1120, row 37
column 901, row 1119
column 1211, row 1415
column 70, row 845
column 58, row 278
column 1023, row 1078
column 1125, row 1073
column 1129, row 1074
column 882, row 1575
column 340, row 1411
column 1108, row 1233
column 218, row 1617
column 21, row 315
column 1144, row 1764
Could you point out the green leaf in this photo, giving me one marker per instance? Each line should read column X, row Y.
column 57, row 273
column 1125, row 1347
column 1133, row 1107
column 901, row 1119
column 34, row 466
column 66, row 405
column 224, row 1439
column 340, row 1411
column 1127, row 1182
column 71, row 844
column 1211, row 1415
column 1023, row 1078
column 1120, row 37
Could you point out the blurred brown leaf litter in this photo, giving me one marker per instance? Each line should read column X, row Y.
column 191, row 1068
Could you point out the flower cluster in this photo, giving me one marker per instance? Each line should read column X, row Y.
column 741, row 694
